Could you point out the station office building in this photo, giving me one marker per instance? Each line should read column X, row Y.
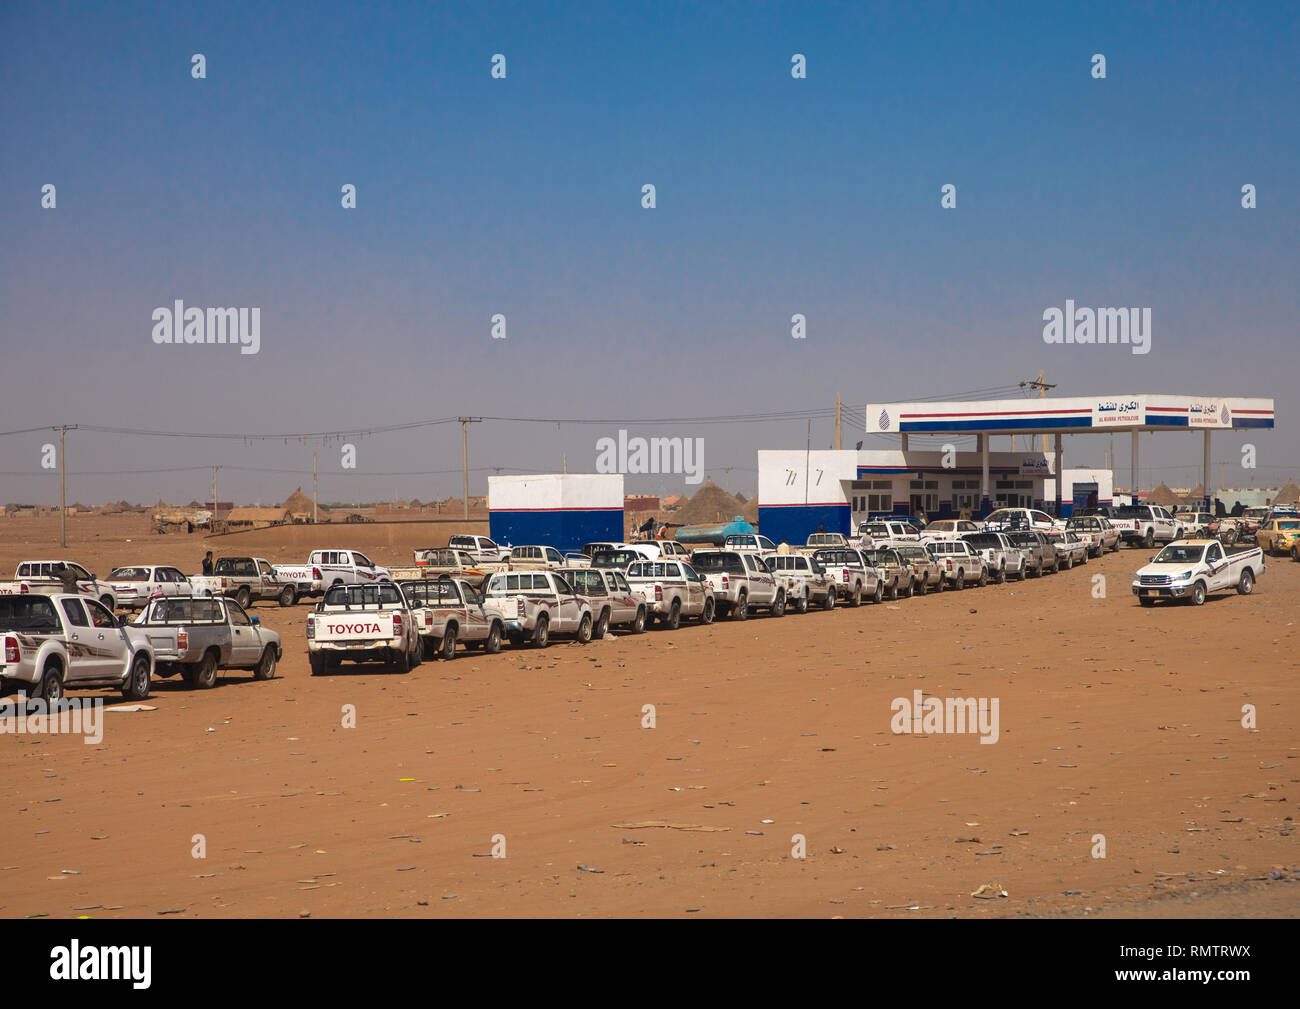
column 847, row 487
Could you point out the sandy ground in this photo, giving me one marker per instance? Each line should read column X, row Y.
column 1114, row 720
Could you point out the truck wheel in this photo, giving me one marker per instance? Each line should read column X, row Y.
column 136, row 687
column 1198, row 594
column 741, row 610
column 801, row 606
column 1145, row 601
column 829, row 603
column 1002, row 575
column 638, row 625
column 778, row 605
column 1069, row 561
column 266, row 667
column 584, row 629
column 287, row 597
column 706, row 615
column 1247, row 584
column 205, row 672
column 601, row 627
column 674, row 618
column 401, row 662
column 879, row 594
column 448, row 649
column 542, row 632
column 50, row 689
column 856, row 598
column 921, row 587
column 960, row 583
column 493, row 643
column 242, row 597
column 1295, row 552
column 1149, row 540
column 893, row 591
column 984, row 577
column 910, row 591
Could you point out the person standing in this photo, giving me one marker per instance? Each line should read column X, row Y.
column 66, row 575
column 207, row 563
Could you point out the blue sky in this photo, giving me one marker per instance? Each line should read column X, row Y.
column 522, row 197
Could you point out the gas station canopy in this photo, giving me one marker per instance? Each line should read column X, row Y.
column 1076, row 415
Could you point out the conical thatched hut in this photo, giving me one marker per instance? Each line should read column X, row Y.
column 1162, row 495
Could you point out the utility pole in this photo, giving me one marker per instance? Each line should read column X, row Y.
column 63, row 486
column 465, row 422
column 837, row 422
column 1042, row 388
column 214, row 498
column 807, row 463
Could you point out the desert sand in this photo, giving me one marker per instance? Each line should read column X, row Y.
column 1113, row 720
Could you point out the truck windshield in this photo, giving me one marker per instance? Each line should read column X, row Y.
column 1178, row 554
column 431, row 593
column 385, row 594
column 184, row 611
column 614, row 558
column 726, row 563
column 34, row 614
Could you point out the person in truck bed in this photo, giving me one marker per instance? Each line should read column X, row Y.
column 68, row 577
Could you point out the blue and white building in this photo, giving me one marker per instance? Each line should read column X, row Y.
column 801, row 491
column 562, row 510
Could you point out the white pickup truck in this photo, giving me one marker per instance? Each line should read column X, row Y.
column 448, row 610
column 1146, row 525
column 886, row 532
column 1192, row 569
column 43, row 577
column 243, row 579
column 672, row 590
column 325, row 568
column 807, row 582
column 750, row 542
column 740, row 581
column 363, row 623
column 614, row 602
column 51, row 642
column 537, row 604
column 199, row 637
column 481, row 548
column 852, row 574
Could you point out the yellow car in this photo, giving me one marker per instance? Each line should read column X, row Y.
column 1279, row 536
